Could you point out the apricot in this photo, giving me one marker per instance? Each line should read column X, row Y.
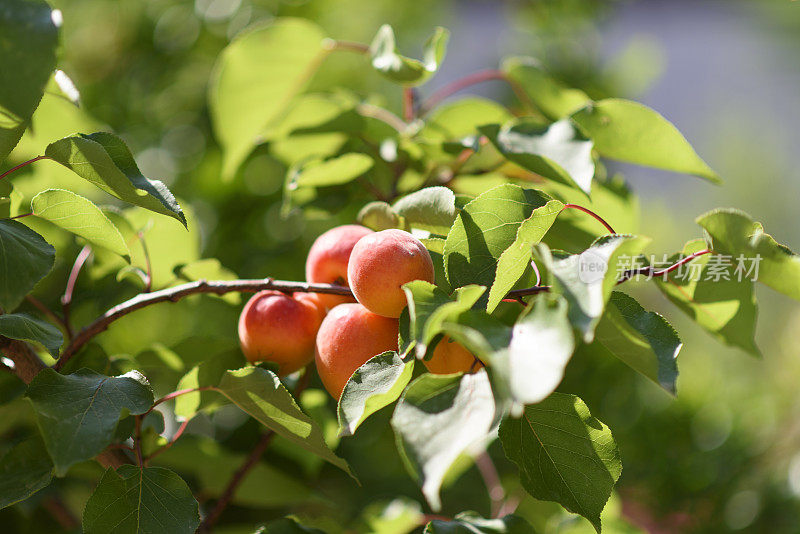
column 280, row 328
column 328, row 257
column 381, row 263
column 349, row 336
column 451, row 357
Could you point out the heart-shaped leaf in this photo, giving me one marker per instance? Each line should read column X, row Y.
column 79, row 421
column 563, row 454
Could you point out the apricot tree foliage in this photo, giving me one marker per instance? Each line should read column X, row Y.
column 531, row 238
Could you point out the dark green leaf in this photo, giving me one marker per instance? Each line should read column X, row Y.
column 78, row 413
column 104, row 160
column 287, row 525
column 404, row 70
column 27, row 59
column 80, row 216
column 374, row 385
column 552, row 97
column 587, row 279
column 24, row 470
column 557, row 151
column 472, row 523
column 25, row 258
column 629, row 131
column 734, row 233
column 439, row 418
column 711, row 292
column 27, row 328
column 261, row 394
column 432, row 209
column 255, row 79
column 514, row 261
column 133, row 500
column 484, row 229
column 644, row 340
column 564, row 455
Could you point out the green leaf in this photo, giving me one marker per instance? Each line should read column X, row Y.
column 24, row 470
column 10, row 200
column 484, row 229
column 557, row 151
column 80, row 216
column 541, row 346
column 335, row 171
column 135, row 500
column 429, row 307
column 23, row 326
column 564, row 455
column 515, row 260
column 644, row 340
column 206, row 374
column 472, row 523
column 25, row 258
column 432, row 209
column 255, row 79
column 379, row 216
column 710, row 291
column 261, row 394
column 439, row 418
column 460, row 118
column 27, row 59
column 734, row 233
column 401, row 515
column 374, row 385
column 552, row 97
column 317, row 113
column 78, row 413
column 104, row 160
column 287, row 525
column 587, row 279
column 404, row 70
column 631, row 132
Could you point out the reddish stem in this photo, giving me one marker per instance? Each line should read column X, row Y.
column 175, row 394
column 593, row 214
column 175, row 437
column 687, row 259
column 473, row 79
column 46, row 311
column 408, row 104
column 23, row 164
column 66, row 300
column 21, row 216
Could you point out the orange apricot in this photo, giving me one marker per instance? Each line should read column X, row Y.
column 451, row 357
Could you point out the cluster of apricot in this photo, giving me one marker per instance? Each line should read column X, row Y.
column 292, row 329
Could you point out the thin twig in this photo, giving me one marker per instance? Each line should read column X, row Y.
column 649, row 271
column 408, row 104
column 383, row 115
column 21, row 216
column 593, row 214
column 66, row 300
column 473, row 79
column 171, row 442
column 490, row 477
column 350, row 46
column 176, row 394
column 24, row 163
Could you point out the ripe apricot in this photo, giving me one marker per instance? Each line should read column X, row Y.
column 381, row 263
column 451, row 357
column 349, row 336
column 328, row 257
column 280, row 328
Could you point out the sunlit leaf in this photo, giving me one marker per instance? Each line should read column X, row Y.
column 553, row 98
column 403, row 70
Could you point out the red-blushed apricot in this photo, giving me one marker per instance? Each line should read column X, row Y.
column 328, row 257
column 280, row 328
column 451, row 357
column 349, row 336
column 381, row 263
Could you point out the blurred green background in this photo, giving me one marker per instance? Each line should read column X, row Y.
column 724, row 456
